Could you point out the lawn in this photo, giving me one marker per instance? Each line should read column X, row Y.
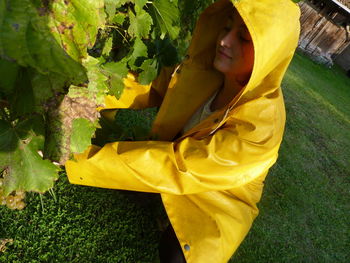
column 303, row 211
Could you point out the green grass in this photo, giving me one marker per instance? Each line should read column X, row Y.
column 85, row 225
column 303, row 211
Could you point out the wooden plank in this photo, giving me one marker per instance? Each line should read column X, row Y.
column 343, row 59
column 319, row 36
column 309, row 20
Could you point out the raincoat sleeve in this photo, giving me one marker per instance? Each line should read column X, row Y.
column 240, row 151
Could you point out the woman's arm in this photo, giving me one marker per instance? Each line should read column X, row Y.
column 234, row 155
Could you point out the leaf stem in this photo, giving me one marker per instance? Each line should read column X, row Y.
column 120, row 33
column 109, row 26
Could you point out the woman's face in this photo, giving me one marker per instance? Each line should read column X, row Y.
column 234, row 49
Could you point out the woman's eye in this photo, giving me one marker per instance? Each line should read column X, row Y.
column 245, row 37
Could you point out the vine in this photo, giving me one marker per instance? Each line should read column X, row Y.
column 58, row 60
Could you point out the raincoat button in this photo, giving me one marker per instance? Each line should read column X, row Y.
column 187, row 247
column 187, row 56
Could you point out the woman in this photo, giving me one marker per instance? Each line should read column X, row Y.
column 208, row 166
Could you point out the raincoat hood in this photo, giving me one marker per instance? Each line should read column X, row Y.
column 274, row 28
column 211, row 177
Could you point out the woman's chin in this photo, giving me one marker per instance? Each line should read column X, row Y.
column 221, row 66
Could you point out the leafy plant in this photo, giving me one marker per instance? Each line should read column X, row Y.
column 58, row 60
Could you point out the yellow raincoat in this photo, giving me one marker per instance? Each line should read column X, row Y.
column 211, row 177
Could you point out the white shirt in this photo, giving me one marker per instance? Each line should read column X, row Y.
column 202, row 113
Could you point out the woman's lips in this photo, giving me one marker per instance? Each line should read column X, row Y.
column 223, row 53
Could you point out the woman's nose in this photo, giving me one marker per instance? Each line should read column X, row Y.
column 228, row 39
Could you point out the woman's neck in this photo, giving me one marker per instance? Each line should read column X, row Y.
column 231, row 87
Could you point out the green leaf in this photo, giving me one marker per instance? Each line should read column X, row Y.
column 140, row 3
column 121, row 2
column 45, row 87
column 139, row 49
column 8, row 140
column 140, row 25
column 98, row 85
column 165, row 15
column 20, row 161
column 119, row 18
column 108, row 46
column 150, row 70
column 26, row 38
column 8, row 73
column 82, row 131
column 98, row 82
column 110, row 8
column 22, row 101
column 75, row 24
column 115, row 71
column 139, row 52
